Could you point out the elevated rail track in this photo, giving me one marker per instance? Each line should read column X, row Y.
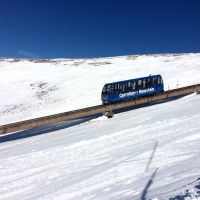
column 85, row 112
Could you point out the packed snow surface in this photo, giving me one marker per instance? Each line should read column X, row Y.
column 35, row 88
column 147, row 153
column 151, row 152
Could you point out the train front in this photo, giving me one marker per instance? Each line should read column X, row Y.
column 104, row 94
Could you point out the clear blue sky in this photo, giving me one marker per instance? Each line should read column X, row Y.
column 98, row 28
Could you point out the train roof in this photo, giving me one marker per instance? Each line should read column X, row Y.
column 150, row 76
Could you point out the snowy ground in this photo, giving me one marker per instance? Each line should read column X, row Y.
column 151, row 152
column 147, row 153
column 34, row 88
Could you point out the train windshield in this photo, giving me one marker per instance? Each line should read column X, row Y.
column 106, row 89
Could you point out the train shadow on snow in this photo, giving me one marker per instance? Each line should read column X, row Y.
column 70, row 123
column 44, row 129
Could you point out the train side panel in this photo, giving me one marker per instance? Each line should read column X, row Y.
column 114, row 98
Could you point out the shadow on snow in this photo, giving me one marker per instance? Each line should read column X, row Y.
column 70, row 123
column 44, row 129
column 188, row 193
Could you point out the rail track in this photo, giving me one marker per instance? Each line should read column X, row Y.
column 85, row 112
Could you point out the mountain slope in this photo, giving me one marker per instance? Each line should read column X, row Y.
column 147, row 153
column 34, row 88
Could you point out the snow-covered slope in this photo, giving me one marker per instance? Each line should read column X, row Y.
column 147, row 153
column 34, row 88
column 151, row 152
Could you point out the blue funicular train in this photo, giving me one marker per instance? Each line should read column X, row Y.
column 131, row 89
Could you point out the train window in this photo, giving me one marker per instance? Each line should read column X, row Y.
column 124, row 87
column 149, row 82
column 139, row 84
column 108, row 88
column 144, row 83
column 115, row 87
column 127, row 86
column 133, row 85
column 158, row 80
column 111, row 89
column 154, row 81
column 136, row 85
column 120, row 87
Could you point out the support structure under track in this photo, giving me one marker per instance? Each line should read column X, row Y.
column 85, row 112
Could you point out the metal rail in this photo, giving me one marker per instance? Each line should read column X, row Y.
column 85, row 112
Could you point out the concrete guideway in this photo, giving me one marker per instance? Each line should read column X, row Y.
column 85, row 112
